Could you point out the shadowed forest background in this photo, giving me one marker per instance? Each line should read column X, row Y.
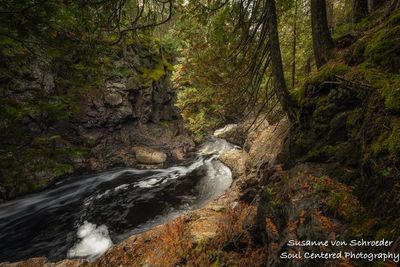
column 84, row 83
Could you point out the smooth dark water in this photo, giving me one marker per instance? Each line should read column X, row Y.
column 82, row 216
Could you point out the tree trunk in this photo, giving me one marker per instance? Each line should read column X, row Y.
column 322, row 40
column 360, row 10
column 307, row 65
column 287, row 103
column 294, row 45
column 374, row 5
column 329, row 14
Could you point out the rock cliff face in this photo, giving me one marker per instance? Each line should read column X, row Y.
column 125, row 116
column 50, row 129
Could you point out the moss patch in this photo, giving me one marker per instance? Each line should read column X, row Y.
column 327, row 73
column 383, row 49
column 386, row 84
column 350, row 119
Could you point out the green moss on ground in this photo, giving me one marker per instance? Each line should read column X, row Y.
column 327, row 73
column 386, row 84
column 383, row 49
column 350, row 119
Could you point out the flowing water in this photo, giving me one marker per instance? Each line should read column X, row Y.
column 83, row 216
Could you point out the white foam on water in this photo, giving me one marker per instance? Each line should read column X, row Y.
column 148, row 183
column 121, row 187
column 99, row 196
column 218, row 178
column 166, row 175
column 216, row 146
column 94, row 241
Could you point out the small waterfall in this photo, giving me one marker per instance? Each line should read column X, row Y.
column 83, row 216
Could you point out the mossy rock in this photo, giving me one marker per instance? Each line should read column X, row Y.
column 386, row 84
column 350, row 120
column 358, row 51
column 327, row 73
column 394, row 19
column 383, row 49
column 390, row 90
column 388, row 141
column 342, row 173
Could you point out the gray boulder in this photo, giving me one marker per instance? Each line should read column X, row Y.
column 146, row 155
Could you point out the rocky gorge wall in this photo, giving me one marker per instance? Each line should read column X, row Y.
column 49, row 129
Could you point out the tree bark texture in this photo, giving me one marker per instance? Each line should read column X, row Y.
column 322, row 40
column 287, row 103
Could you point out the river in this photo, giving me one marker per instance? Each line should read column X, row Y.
column 83, row 216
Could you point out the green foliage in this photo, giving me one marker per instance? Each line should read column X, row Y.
column 208, row 76
column 359, row 50
column 155, row 73
column 66, row 49
column 394, row 19
column 48, row 110
column 288, row 20
column 206, row 38
column 200, row 110
column 345, row 28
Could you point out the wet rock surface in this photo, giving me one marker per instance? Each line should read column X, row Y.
column 235, row 160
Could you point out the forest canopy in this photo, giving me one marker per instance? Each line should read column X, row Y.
column 230, row 59
column 231, row 33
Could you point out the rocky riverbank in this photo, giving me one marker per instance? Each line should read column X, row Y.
column 252, row 223
column 167, row 243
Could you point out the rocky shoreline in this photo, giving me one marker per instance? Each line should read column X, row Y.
column 198, row 226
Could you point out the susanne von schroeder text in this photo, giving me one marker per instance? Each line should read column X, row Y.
column 352, row 243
